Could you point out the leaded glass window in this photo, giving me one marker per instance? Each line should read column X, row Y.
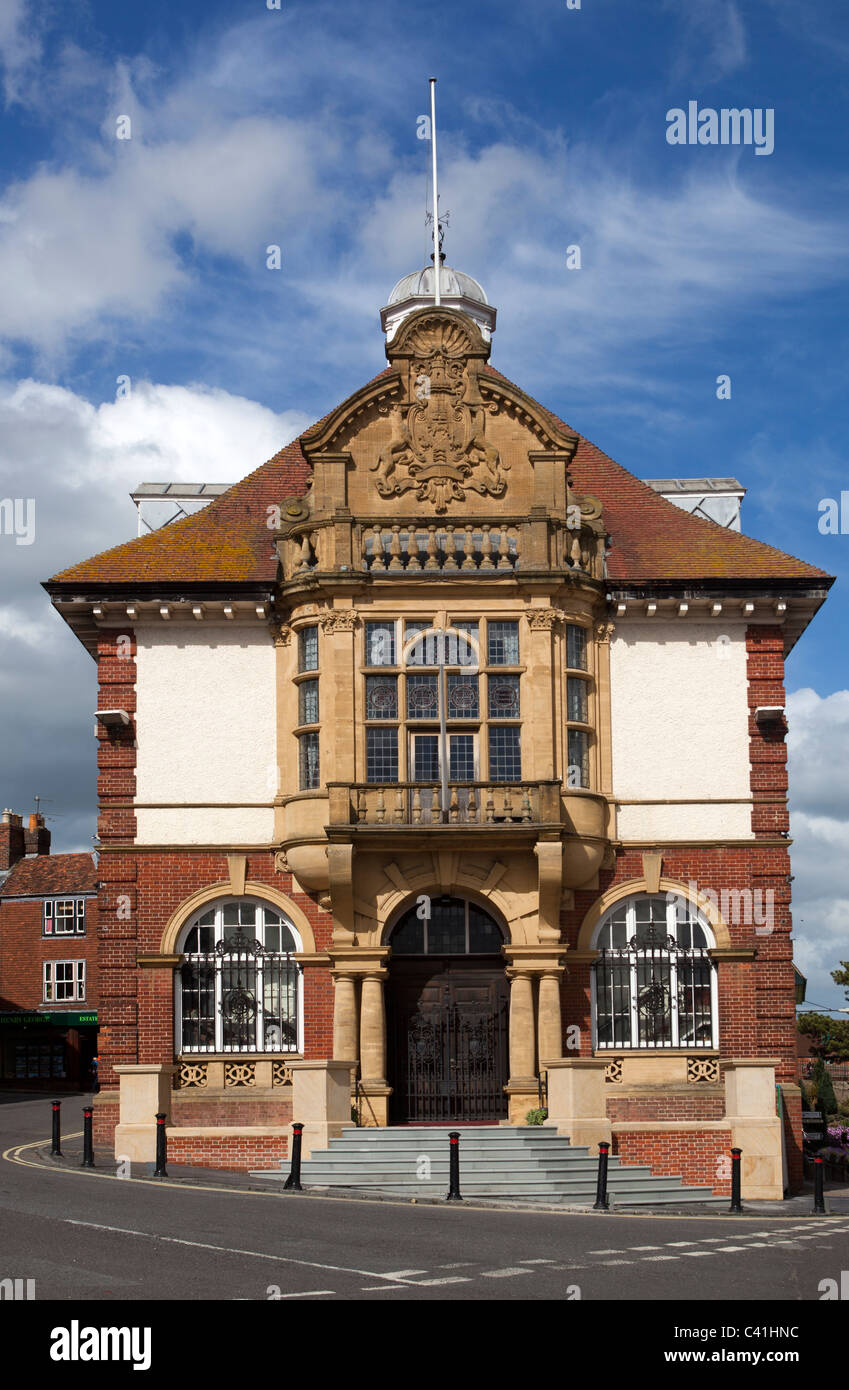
column 446, row 926
column 380, row 644
column 504, row 697
column 308, row 649
column 576, row 699
column 578, row 774
column 381, row 697
column 308, row 761
column 503, row 644
column 308, row 702
column 463, row 702
column 382, row 755
column 422, row 697
column 576, row 647
column 505, row 759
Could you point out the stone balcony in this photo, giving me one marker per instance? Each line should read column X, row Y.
column 408, row 547
column 420, row 804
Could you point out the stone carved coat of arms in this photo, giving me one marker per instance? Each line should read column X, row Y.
column 438, row 446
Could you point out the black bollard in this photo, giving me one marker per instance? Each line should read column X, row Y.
column 736, row 1204
column 88, row 1141
column 161, row 1146
column 602, row 1201
column 56, row 1149
column 819, row 1199
column 293, row 1182
column 454, row 1167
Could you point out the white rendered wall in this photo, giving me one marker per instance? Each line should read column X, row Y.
column 206, row 733
column 679, row 716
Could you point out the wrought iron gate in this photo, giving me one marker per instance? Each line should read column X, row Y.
column 456, row 1065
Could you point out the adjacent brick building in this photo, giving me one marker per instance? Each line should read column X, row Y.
column 48, row 960
column 443, row 749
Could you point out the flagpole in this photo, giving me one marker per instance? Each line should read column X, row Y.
column 436, row 260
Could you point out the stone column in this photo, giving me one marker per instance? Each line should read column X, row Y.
column 344, row 1015
column 373, row 1029
column 374, row 1092
column 550, row 1025
column 522, row 1031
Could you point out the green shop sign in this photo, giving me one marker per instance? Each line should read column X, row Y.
column 55, row 1020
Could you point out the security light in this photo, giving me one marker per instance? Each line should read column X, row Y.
column 112, row 718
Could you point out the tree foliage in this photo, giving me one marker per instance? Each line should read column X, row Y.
column 829, row 1036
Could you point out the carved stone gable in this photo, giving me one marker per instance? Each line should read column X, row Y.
column 438, row 447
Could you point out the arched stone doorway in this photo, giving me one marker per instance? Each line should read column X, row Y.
column 447, row 1015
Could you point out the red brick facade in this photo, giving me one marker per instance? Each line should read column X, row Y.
column 700, row 1159
column 37, row 1047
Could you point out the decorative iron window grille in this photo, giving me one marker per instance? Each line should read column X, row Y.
column 239, row 995
column 657, row 990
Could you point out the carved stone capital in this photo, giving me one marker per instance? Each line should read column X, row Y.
column 340, row 620
column 543, row 619
column 604, row 632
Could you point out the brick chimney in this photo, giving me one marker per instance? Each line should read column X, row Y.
column 12, row 840
column 37, row 836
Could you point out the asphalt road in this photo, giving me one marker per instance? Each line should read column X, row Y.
column 87, row 1236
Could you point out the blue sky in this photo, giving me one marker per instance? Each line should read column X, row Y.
column 250, row 127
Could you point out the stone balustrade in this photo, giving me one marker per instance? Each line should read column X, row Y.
column 420, row 803
column 410, row 547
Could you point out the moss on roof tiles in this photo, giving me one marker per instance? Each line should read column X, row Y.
column 229, row 540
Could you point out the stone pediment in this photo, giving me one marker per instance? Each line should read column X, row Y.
column 437, row 433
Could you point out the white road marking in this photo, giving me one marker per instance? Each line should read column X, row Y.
column 650, row 1247
column 617, row 1262
column 618, row 1252
column 311, row 1293
column 380, row 1288
column 402, row 1273
column 506, row 1273
column 537, row 1262
column 457, row 1264
column 698, row 1254
column 726, row 1249
column 652, row 1258
column 228, row 1250
column 431, row 1283
column 671, row 1244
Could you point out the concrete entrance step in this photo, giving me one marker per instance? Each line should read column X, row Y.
column 495, row 1161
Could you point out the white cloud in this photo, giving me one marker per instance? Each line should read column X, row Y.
column 818, row 748
column 20, row 46
column 125, row 229
column 713, row 41
column 79, row 462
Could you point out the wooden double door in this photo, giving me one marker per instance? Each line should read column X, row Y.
column 448, row 1045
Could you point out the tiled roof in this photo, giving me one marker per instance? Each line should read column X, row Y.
column 652, row 539
column 46, row 875
column 229, row 540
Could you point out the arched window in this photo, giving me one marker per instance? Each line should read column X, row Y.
column 239, row 986
column 445, row 926
column 654, row 984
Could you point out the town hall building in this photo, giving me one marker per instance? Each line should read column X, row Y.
column 442, row 778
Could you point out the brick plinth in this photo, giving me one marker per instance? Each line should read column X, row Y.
column 677, row 1106
column 232, row 1152
column 700, row 1159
